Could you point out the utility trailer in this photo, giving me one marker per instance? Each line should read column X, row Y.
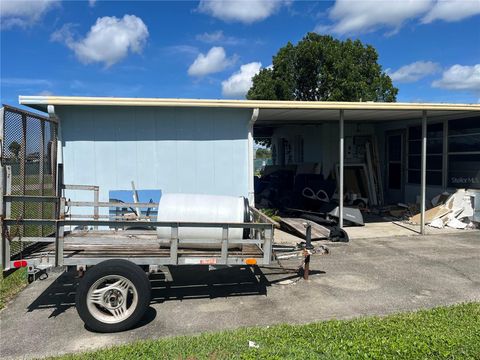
column 115, row 291
column 112, row 257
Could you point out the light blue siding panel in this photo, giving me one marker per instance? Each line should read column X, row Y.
column 77, row 154
column 166, row 149
column 205, row 151
column 224, row 153
column 187, row 155
column 239, row 156
column 145, row 148
column 105, row 165
column 86, row 125
column 189, row 150
column 125, row 149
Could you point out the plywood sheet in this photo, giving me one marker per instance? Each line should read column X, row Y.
column 297, row 225
column 431, row 214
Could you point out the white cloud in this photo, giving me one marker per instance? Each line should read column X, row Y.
column 25, row 82
column 108, row 41
column 353, row 17
column 323, row 29
column 452, row 10
column 218, row 37
column 239, row 83
column 414, row 71
column 460, row 77
column 215, row 60
column 239, row 10
column 368, row 15
column 23, row 13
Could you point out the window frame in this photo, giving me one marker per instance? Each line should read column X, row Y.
column 448, row 153
column 442, row 170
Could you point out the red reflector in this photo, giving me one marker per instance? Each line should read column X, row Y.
column 20, row 263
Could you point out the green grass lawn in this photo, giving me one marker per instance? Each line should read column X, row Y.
column 442, row 333
column 11, row 285
column 30, row 210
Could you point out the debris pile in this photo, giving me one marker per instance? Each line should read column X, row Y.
column 460, row 210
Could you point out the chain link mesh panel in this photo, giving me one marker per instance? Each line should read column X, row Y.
column 29, row 155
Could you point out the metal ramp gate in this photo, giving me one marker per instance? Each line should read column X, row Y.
column 28, row 168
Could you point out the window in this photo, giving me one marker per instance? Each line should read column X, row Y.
column 464, row 153
column 434, row 154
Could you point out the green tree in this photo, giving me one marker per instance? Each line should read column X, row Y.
column 263, row 153
column 321, row 68
column 15, row 148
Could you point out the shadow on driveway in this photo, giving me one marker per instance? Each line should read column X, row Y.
column 189, row 282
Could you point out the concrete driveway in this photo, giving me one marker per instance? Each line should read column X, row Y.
column 364, row 277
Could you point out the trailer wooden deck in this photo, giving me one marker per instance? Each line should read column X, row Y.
column 90, row 244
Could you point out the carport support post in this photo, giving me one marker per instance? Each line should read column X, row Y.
column 424, row 172
column 340, row 171
column 251, row 166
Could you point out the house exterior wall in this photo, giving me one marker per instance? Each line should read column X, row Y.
column 185, row 150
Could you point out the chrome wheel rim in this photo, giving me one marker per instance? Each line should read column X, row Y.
column 112, row 299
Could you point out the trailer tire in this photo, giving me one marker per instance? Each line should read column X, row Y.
column 113, row 296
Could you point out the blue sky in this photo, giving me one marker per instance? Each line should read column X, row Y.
column 210, row 49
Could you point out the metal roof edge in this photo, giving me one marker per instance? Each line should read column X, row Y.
column 43, row 101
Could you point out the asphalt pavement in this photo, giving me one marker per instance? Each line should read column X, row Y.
column 364, row 277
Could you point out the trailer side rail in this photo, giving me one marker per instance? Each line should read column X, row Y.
column 261, row 236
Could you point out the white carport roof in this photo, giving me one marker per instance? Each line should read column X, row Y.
column 275, row 112
column 392, row 113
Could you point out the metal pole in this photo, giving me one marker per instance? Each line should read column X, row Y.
column 7, row 212
column 23, row 163
column 340, row 170
column 250, row 154
column 445, row 157
column 423, row 172
column 41, row 172
column 59, row 234
column 96, row 199
column 2, row 192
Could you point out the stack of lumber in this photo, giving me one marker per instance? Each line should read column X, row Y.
column 450, row 211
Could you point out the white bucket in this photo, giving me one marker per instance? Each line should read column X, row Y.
column 201, row 208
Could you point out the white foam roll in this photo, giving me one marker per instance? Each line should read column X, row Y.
column 200, row 208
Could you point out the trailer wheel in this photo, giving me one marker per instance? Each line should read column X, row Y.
column 113, row 296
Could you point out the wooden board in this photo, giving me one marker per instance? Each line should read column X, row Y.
column 264, row 218
column 431, row 214
column 297, row 226
column 138, row 249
